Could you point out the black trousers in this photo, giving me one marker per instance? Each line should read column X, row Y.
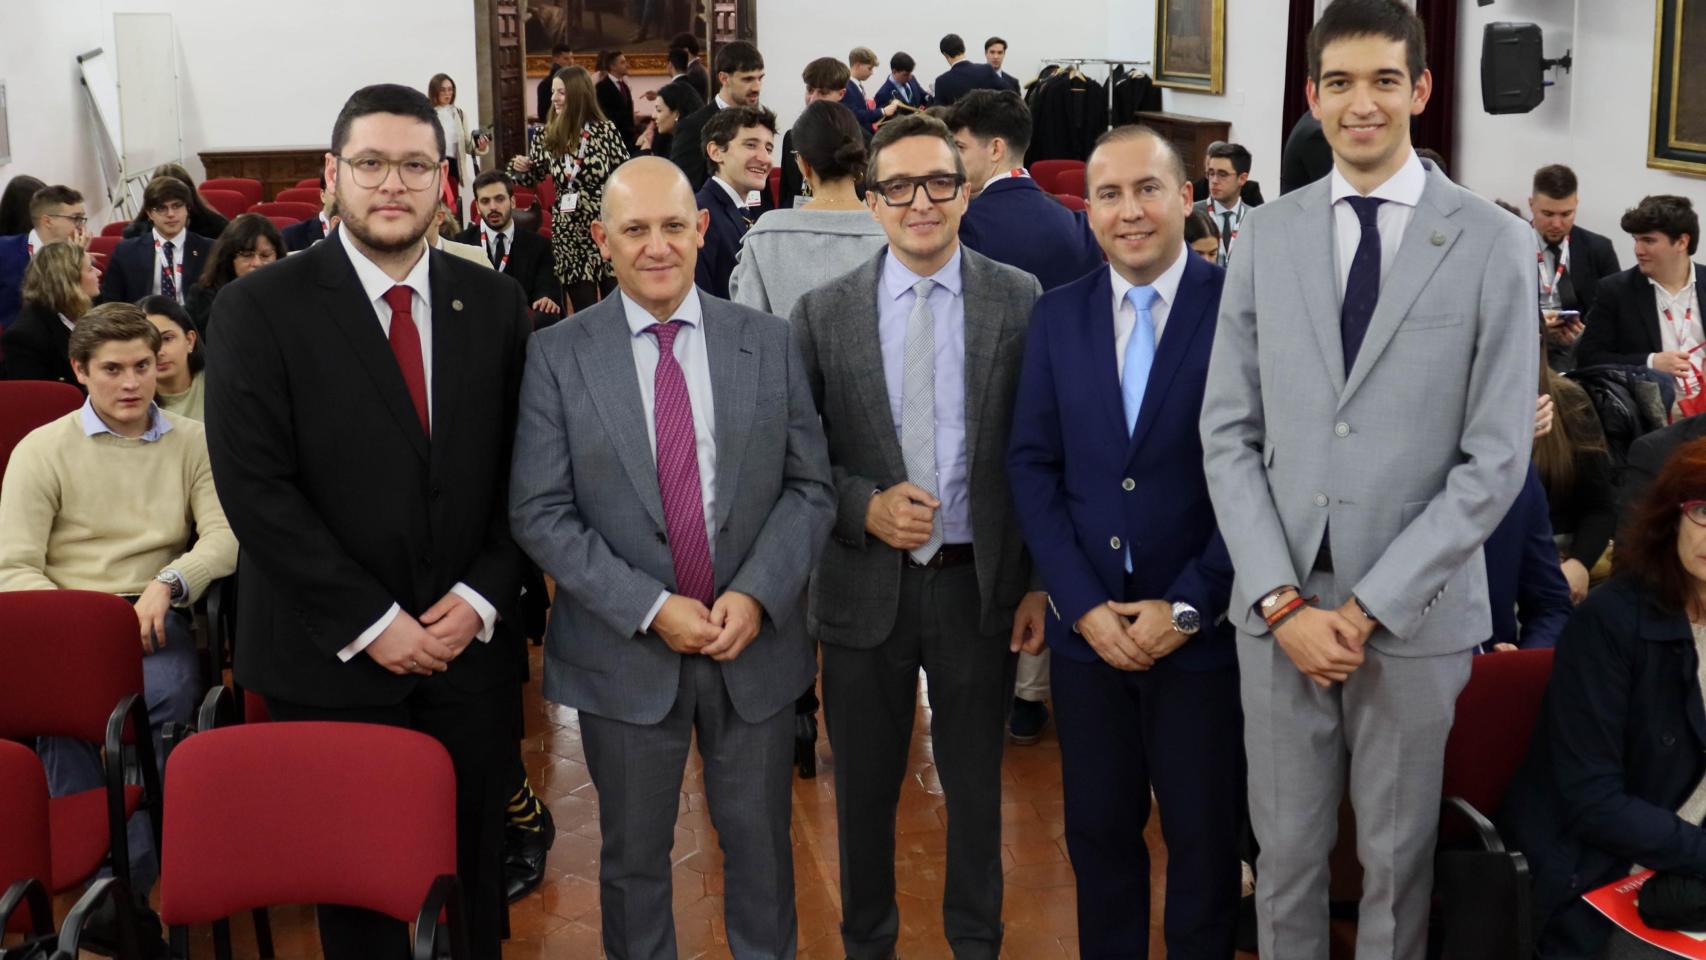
column 478, row 729
column 869, row 700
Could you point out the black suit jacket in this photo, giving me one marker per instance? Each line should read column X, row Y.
column 700, row 78
column 1592, row 259
column 529, row 262
column 964, row 77
column 342, row 503
column 722, row 239
column 618, row 108
column 543, row 95
column 302, row 234
column 1306, row 157
column 38, row 347
column 1250, row 192
column 685, row 151
column 1623, row 325
column 130, row 270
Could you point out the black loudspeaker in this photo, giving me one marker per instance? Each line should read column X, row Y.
column 1512, row 68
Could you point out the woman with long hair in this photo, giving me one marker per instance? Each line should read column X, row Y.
column 250, row 242
column 60, row 285
column 178, row 366
column 1575, row 467
column 204, row 220
column 577, row 151
column 15, row 204
column 460, row 146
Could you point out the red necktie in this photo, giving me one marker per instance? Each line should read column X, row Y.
column 406, row 347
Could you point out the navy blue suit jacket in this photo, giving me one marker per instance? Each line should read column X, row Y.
column 14, row 260
column 964, row 77
column 1079, row 482
column 854, row 100
column 722, row 239
column 1525, row 586
column 130, row 270
column 1014, row 222
column 302, row 234
column 915, row 94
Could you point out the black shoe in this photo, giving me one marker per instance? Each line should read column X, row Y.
column 524, row 856
column 1029, row 719
column 805, row 744
column 101, row 931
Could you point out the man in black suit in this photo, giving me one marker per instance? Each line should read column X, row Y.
column 614, row 97
column 1572, row 260
column 167, row 259
column 995, row 54
column 561, row 56
column 740, row 80
column 305, row 233
column 362, row 403
column 739, row 141
column 1649, row 315
column 522, row 254
column 1306, row 156
column 963, row 76
column 1647, row 456
column 693, row 65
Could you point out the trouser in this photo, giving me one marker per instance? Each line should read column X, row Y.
column 1032, row 682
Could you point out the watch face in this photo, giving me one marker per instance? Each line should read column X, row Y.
column 1186, row 619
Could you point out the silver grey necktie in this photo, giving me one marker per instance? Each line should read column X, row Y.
column 918, row 408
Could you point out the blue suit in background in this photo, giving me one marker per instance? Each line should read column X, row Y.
column 854, row 100
column 1525, row 586
column 14, row 260
column 729, row 223
column 1086, row 492
column 911, row 93
column 1014, row 222
column 964, row 77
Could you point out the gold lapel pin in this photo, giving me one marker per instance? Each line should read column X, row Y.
column 1438, row 241
column 457, row 304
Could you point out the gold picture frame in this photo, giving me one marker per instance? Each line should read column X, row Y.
column 1676, row 135
column 1190, row 45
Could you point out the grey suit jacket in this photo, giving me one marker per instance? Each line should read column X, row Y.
column 856, row 592
column 585, row 505
column 1414, row 454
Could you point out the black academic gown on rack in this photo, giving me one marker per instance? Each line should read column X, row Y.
column 1068, row 112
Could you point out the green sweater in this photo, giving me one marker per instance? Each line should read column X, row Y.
column 108, row 513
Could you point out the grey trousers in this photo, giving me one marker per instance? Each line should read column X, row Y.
column 1032, row 682
column 1387, row 724
column 637, row 770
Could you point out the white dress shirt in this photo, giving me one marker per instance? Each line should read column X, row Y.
column 489, row 237
column 33, row 243
column 689, row 350
column 375, row 282
column 177, row 242
column 1684, row 318
column 1402, row 191
column 1125, row 315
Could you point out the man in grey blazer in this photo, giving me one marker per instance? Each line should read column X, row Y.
column 913, row 360
column 1367, row 423
column 678, row 497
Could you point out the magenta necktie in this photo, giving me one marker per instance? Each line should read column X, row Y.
column 678, row 471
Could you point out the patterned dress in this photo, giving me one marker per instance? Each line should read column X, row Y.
column 581, row 172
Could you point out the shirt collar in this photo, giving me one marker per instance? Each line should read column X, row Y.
column 508, row 233
column 94, row 426
column 1011, row 173
column 375, row 282
column 1403, row 187
column 1681, row 295
column 639, row 318
column 898, row 280
column 1166, row 286
column 33, row 243
column 1216, row 209
column 721, row 103
column 177, row 242
column 738, row 200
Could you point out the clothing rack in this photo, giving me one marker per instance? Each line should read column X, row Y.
column 1137, row 66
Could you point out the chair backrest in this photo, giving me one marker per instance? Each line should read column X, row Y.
column 313, row 182
column 104, row 244
column 1496, row 715
column 286, row 208
column 229, row 203
column 1072, row 201
column 277, row 813
column 525, row 198
column 249, row 188
column 67, row 657
column 1045, row 172
column 25, row 850
column 299, row 195
column 282, row 222
column 1070, row 182
column 28, row 404
column 115, row 229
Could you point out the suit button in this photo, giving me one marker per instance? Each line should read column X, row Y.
column 1128, row 484
column 1320, row 499
column 1114, row 542
column 1342, row 429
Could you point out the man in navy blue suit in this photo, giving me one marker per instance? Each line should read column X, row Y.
column 738, row 145
column 1106, row 469
column 902, row 85
column 167, row 259
column 995, row 54
column 56, row 213
column 861, row 63
column 1525, row 587
column 305, row 233
column 963, row 76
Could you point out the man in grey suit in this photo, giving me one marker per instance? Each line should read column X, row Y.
column 670, row 476
column 913, row 360
column 1367, row 423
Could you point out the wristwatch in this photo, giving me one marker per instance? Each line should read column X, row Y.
column 175, row 583
column 1186, row 619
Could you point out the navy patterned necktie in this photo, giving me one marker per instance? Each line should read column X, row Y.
column 1362, row 287
column 168, row 273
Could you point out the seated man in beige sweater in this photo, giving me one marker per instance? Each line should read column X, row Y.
column 108, row 498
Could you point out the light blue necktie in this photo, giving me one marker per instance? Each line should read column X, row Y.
column 1139, row 355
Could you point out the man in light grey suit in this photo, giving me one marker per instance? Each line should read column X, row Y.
column 670, row 476
column 1367, row 423
column 913, row 359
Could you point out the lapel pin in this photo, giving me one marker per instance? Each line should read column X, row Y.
column 1438, row 241
column 457, row 304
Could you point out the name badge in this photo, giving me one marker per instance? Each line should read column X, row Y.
column 568, row 202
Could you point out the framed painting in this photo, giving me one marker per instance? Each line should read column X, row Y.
column 1190, row 45
column 640, row 28
column 1676, row 139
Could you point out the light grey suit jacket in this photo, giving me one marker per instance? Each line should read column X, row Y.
column 856, row 592
column 1413, row 455
column 585, row 505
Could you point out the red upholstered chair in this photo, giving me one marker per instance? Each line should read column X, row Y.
column 282, row 222
column 28, row 404
column 70, row 666
column 115, row 229
column 1483, row 889
column 286, row 208
column 526, row 198
column 229, row 203
column 773, row 186
column 103, row 246
column 237, row 837
column 1046, row 172
column 1071, row 201
column 300, row 195
column 249, row 188
column 311, row 182
column 1070, row 182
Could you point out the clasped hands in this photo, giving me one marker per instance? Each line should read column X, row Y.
column 1325, row 645
column 426, row 646
column 721, row 633
column 1131, row 636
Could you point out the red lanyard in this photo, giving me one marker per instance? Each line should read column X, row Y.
column 490, row 238
column 1558, row 274
column 1691, row 382
column 177, row 262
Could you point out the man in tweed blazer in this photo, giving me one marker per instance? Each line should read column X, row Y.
column 678, row 500
column 913, row 359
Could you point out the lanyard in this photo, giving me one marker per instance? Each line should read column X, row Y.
column 1691, row 382
column 1558, row 274
column 492, row 238
column 177, row 262
column 574, row 162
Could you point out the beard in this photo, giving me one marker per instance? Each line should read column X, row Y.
column 364, row 234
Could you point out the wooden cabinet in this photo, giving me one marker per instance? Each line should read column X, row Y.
column 277, row 168
column 1188, row 135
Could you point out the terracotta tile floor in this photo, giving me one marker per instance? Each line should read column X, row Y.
column 561, row 920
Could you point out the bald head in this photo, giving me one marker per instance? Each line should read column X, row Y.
column 653, row 177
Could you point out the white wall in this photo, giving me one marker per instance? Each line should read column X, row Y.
column 1255, row 83
column 253, row 74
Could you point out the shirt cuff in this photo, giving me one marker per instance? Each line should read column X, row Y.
column 488, row 613
column 180, row 586
column 369, row 635
column 646, row 624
